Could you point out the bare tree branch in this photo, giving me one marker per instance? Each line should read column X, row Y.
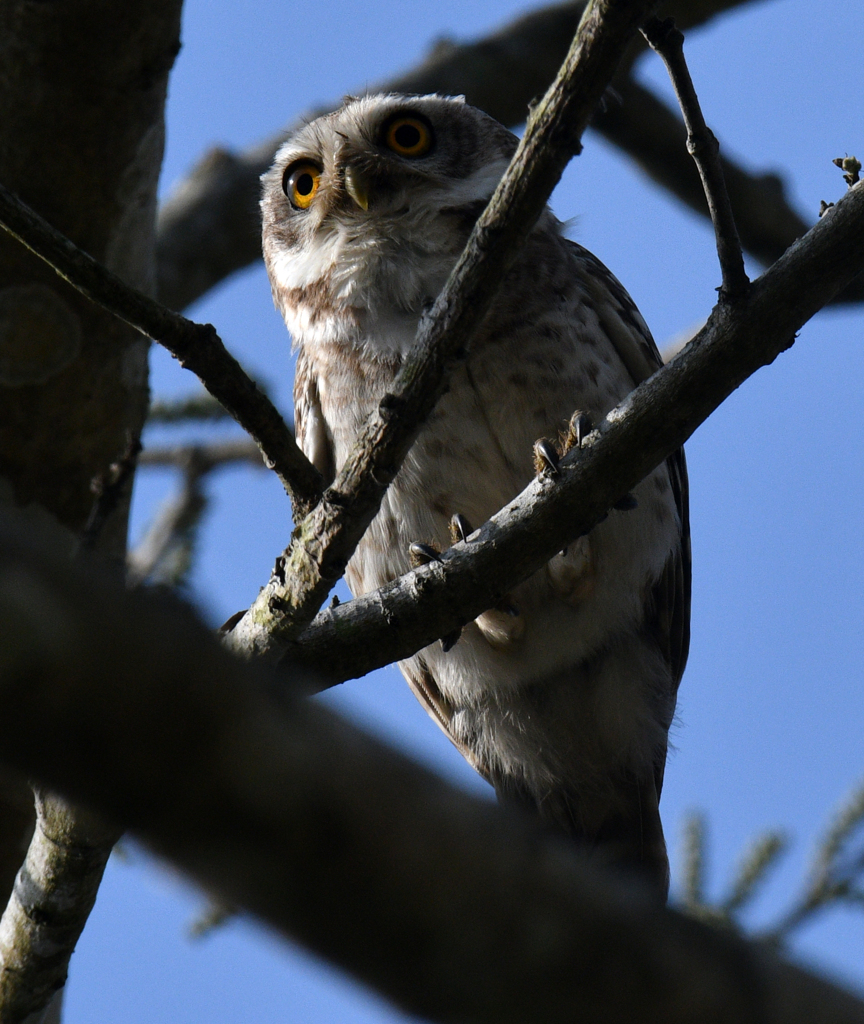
column 326, row 539
column 196, row 407
column 702, row 145
column 165, row 553
column 197, row 346
column 208, row 455
column 209, row 226
column 53, row 895
column 450, row 907
column 653, row 421
column 110, row 488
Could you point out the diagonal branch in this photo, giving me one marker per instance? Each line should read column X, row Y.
column 651, row 423
column 450, row 907
column 326, row 539
column 196, row 346
column 52, row 898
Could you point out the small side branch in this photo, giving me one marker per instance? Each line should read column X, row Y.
column 207, row 457
column 702, row 145
column 376, row 891
column 53, row 895
column 197, row 346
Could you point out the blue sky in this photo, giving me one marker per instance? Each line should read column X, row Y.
column 771, row 715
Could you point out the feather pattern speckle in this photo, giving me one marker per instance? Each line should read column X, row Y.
column 562, row 695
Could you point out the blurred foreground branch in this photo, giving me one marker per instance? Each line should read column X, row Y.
column 429, row 895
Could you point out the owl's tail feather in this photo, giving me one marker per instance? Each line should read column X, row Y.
column 625, row 836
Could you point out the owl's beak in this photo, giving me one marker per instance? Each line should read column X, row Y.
column 357, row 187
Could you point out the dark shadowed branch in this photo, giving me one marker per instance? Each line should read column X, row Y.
column 196, row 346
column 427, row 894
column 326, row 539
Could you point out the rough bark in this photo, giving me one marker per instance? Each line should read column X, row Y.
column 82, row 90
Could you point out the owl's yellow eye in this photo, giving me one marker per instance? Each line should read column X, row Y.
column 300, row 183
column 408, row 136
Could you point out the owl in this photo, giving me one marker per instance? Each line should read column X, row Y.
column 562, row 694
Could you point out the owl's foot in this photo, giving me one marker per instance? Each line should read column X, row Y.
column 579, row 427
column 502, row 625
column 423, row 554
column 460, row 529
column 546, row 458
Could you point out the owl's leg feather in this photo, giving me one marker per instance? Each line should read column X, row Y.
column 502, row 625
column 629, row 837
column 571, row 572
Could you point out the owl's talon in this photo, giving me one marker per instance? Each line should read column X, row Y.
column 460, row 528
column 422, row 554
column 545, row 458
column 579, row 427
column 627, row 503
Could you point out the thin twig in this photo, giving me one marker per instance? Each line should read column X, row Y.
column 762, row 855
column 209, row 455
column 196, row 407
column 693, row 886
column 165, row 553
column 326, row 539
column 197, row 346
column 702, row 145
column 831, row 880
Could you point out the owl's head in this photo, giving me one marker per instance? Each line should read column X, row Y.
column 372, row 204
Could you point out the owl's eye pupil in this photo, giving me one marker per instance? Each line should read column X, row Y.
column 300, row 183
column 407, row 136
column 305, row 184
